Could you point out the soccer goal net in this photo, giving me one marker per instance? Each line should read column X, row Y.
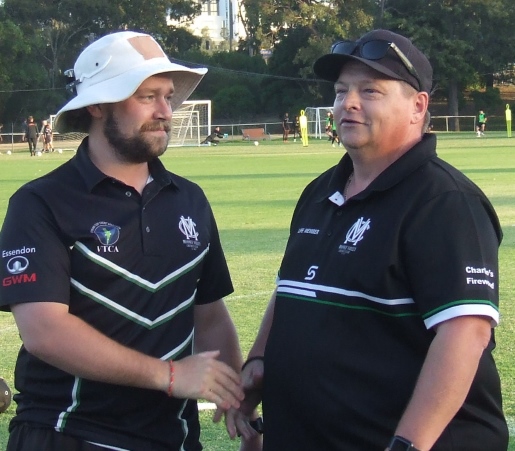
column 191, row 123
column 316, row 117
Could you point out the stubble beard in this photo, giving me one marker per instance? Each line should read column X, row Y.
column 138, row 148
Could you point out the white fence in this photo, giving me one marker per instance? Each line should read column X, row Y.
column 441, row 123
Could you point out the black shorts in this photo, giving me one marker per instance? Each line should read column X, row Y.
column 31, row 437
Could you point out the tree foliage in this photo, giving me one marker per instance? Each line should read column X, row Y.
column 267, row 22
column 234, row 82
column 468, row 43
column 298, row 31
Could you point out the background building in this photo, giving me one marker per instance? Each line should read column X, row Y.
column 218, row 25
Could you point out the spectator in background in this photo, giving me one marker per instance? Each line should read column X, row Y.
column 32, row 135
column 295, row 126
column 334, row 132
column 286, row 127
column 481, row 123
column 47, row 134
column 24, row 130
column 329, row 125
column 1, row 137
column 214, row 138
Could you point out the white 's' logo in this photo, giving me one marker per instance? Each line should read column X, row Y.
column 187, row 227
column 356, row 232
column 312, row 272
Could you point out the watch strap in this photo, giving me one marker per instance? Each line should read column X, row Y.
column 398, row 443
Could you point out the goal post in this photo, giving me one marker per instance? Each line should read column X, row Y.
column 447, row 123
column 191, row 123
column 316, row 117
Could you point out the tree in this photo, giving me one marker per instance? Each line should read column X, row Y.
column 299, row 31
column 231, row 74
column 66, row 26
column 18, row 71
column 286, row 93
column 467, row 41
column 233, row 102
column 267, row 21
column 56, row 31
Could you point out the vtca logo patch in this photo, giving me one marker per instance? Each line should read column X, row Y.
column 108, row 235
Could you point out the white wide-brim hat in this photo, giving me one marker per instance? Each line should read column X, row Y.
column 111, row 69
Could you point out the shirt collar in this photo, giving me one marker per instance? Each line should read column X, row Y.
column 93, row 176
column 419, row 154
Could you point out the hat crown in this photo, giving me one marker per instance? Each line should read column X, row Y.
column 114, row 55
column 111, row 69
column 329, row 66
column 414, row 55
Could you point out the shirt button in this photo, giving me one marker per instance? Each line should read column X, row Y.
column 339, row 213
column 329, row 233
column 128, row 193
column 148, row 229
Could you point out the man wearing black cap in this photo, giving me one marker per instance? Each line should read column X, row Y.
column 379, row 333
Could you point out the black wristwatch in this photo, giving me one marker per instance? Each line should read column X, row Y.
column 398, row 443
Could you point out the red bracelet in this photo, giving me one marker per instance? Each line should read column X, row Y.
column 170, row 385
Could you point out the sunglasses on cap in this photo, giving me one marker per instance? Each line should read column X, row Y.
column 374, row 50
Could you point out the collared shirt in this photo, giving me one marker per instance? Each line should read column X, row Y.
column 133, row 266
column 361, row 286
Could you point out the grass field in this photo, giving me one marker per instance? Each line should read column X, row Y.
column 253, row 191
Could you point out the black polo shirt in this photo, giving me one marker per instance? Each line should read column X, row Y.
column 361, row 286
column 133, row 266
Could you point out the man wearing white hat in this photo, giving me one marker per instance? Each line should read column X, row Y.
column 114, row 272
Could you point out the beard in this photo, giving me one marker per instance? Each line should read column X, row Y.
column 138, row 148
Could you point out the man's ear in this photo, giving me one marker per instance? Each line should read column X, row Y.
column 95, row 110
column 420, row 107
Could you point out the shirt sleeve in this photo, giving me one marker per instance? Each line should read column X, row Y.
column 215, row 281
column 451, row 255
column 35, row 258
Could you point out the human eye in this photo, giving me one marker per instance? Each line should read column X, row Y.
column 340, row 90
column 372, row 90
column 146, row 97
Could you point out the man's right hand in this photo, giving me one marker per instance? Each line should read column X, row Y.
column 202, row 376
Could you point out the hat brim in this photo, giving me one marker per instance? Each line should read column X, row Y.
column 329, row 67
column 120, row 88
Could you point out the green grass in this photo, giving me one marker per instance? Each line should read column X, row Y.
column 253, row 191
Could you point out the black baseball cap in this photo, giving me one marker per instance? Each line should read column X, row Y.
column 401, row 60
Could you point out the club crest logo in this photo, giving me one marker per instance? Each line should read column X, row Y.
column 187, row 228
column 354, row 235
column 108, row 235
column 356, row 232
